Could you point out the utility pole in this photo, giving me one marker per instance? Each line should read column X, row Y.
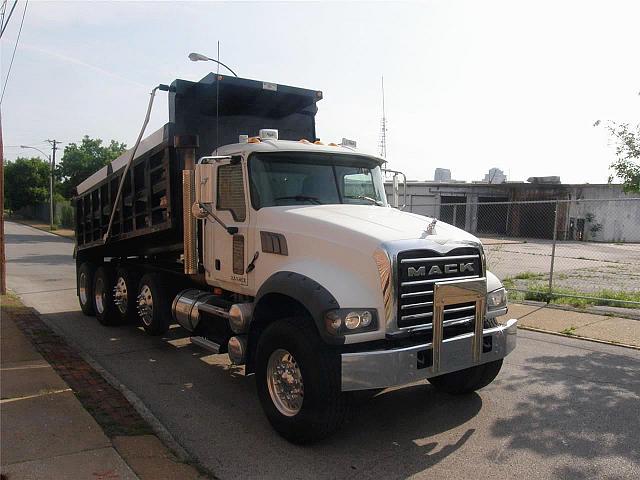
column 54, row 147
column 3, row 273
column 383, row 128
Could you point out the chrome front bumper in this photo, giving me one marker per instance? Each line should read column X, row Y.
column 388, row 368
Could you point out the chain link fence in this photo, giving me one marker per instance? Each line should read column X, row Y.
column 578, row 252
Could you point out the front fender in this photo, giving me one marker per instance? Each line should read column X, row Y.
column 310, row 294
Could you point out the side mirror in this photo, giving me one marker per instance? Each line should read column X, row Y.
column 396, row 188
column 204, row 183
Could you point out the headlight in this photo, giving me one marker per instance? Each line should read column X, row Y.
column 344, row 321
column 497, row 299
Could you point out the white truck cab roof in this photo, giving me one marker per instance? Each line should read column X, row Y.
column 270, row 145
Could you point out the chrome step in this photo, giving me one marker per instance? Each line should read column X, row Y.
column 205, row 343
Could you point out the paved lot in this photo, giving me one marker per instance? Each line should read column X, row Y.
column 561, row 408
column 584, row 266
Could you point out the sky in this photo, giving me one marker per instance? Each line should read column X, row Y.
column 469, row 85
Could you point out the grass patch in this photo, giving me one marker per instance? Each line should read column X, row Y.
column 528, row 276
column 569, row 331
column 540, row 293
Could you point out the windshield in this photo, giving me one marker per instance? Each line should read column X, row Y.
column 295, row 178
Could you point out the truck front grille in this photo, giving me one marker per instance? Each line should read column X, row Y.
column 418, row 270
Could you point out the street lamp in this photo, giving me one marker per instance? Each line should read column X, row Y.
column 198, row 57
column 48, row 157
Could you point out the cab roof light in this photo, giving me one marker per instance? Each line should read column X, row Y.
column 318, row 142
column 304, row 140
column 254, row 140
column 268, row 134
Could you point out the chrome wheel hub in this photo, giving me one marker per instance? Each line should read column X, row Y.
column 284, row 380
column 120, row 296
column 83, row 286
column 99, row 295
column 145, row 305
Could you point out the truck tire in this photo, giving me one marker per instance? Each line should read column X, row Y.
column 153, row 304
column 470, row 379
column 467, row 380
column 124, row 293
column 103, row 304
column 298, row 381
column 84, row 279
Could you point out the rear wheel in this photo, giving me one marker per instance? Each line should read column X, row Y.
column 103, row 303
column 84, row 278
column 124, row 293
column 298, row 381
column 152, row 304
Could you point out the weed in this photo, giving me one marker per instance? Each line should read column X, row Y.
column 528, row 276
column 567, row 296
column 569, row 331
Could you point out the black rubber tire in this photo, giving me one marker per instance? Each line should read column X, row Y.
column 467, row 380
column 324, row 407
column 106, row 311
column 87, row 271
column 131, row 279
column 160, row 319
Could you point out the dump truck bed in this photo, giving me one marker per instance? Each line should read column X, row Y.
column 215, row 110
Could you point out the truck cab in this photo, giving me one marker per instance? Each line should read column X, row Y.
column 287, row 257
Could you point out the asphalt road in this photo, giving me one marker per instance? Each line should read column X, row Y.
column 560, row 408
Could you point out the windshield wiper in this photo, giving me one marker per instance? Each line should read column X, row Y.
column 364, row 197
column 301, row 198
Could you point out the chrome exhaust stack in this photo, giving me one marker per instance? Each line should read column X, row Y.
column 189, row 224
column 186, row 150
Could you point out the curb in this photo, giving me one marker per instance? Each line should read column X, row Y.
column 159, row 429
column 569, row 308
column 155, row 425
column 51, row 232
column 579, row 337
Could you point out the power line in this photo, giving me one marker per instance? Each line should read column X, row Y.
column 3, row 10
column 4, row 24
column 14, row 50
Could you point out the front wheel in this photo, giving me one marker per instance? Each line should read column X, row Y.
column 467, row 380
column 298, row 381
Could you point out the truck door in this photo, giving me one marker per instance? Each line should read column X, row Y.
column 231, row 206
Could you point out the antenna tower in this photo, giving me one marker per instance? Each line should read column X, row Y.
column 383, row 128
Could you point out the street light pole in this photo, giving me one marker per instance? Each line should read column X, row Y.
column 198, row 57
column 48, row 157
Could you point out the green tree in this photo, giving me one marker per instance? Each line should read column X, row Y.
column 26, row 182
column 627, row 164
column 80, row 161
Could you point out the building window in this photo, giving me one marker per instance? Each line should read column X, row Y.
column 231, row 191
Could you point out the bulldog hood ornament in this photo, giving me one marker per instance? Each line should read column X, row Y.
column 431, row 228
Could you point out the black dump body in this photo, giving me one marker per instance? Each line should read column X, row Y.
column 217, row 109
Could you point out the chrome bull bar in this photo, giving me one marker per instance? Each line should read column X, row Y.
column 400, row 366
column 453, row 293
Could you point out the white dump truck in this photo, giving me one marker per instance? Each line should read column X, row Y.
column 236, row 223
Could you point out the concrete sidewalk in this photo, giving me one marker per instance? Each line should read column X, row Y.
column 575, row 323
column 47, row 391
column 45, row 432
